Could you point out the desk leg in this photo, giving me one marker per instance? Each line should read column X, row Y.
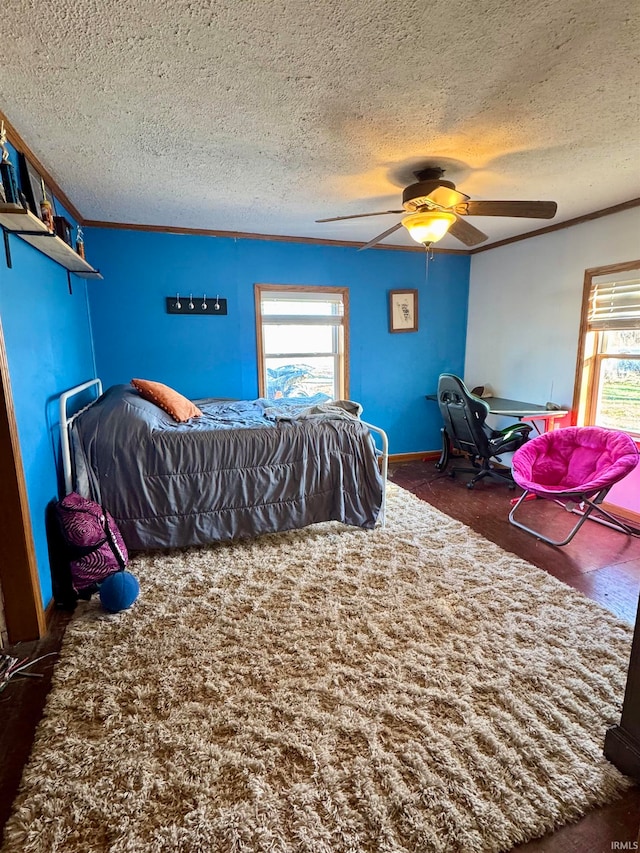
column 548, row 423
column 442, row 463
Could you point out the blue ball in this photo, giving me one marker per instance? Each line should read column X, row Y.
column 119, row 591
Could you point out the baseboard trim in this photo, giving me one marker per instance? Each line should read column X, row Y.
column 420, row 456
column 49, row 613
column 623, row 512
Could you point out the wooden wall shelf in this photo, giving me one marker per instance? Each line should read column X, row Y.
column 17, row 220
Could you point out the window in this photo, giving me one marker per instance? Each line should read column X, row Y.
column 608, row 387
column 302, row 341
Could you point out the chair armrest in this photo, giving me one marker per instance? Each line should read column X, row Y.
column 509, row 439
column 515, row 430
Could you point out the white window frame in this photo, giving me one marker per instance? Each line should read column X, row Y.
column 340, row 323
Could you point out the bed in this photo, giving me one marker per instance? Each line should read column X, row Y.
column 243, row 468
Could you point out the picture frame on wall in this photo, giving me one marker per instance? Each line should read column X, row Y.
column 403, row 311
column 31, row 186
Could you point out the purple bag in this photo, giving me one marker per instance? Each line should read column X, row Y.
column 95, row 547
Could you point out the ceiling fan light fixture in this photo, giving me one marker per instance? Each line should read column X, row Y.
column 428, row 226
column 433, row 207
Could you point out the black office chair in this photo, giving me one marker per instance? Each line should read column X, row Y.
column 465, row 430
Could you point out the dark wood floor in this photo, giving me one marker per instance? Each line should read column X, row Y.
column 601, row 563
column 21, row 705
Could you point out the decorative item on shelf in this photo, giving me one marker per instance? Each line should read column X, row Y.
column 46, row 209
column 176, row 305
column 26, row 189
column 80, row 243
column 7, row 172
column 62, row 227
column 33, row 188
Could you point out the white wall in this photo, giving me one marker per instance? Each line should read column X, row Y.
column 524, row 306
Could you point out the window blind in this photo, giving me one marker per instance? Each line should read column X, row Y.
column 614, row 305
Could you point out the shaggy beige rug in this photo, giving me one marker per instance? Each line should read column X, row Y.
column 330, row 690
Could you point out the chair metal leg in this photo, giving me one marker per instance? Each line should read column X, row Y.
column 445, row 453
column 609, row 520
column 484, row 470
column 592, row 506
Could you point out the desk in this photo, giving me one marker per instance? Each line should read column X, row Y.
column 522, row 411
column 517, row 409
column 510, row 409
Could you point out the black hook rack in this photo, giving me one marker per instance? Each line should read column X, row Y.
column 212, row 306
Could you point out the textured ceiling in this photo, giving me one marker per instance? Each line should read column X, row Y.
column 264, row 115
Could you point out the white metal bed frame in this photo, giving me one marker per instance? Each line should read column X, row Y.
column 65, row 441
column 65, row 424
column 384, row 456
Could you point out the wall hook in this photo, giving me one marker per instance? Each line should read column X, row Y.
column 190, row 306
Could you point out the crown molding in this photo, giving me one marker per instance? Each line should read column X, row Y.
column 248, row 235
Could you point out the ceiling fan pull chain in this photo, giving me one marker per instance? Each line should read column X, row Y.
column 428, row 256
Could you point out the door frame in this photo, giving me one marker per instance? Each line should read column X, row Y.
column 24, row 613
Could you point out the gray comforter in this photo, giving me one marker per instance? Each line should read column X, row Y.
column 242, row 469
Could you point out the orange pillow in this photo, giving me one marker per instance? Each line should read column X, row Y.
column 175, row 404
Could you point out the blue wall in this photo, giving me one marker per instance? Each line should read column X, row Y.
column 216, row 356
column 50, row 334
column 49, row 349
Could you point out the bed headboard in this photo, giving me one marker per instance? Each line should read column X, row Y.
column 65, row 423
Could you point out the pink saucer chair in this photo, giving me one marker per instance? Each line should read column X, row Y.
column 574, row 467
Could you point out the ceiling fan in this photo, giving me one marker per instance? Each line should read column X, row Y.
column 434, row 207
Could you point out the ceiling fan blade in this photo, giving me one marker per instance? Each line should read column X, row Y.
column 381, row 236
column 467, row 233
column 360, row 215
column 446, row 197
column 527, row 209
